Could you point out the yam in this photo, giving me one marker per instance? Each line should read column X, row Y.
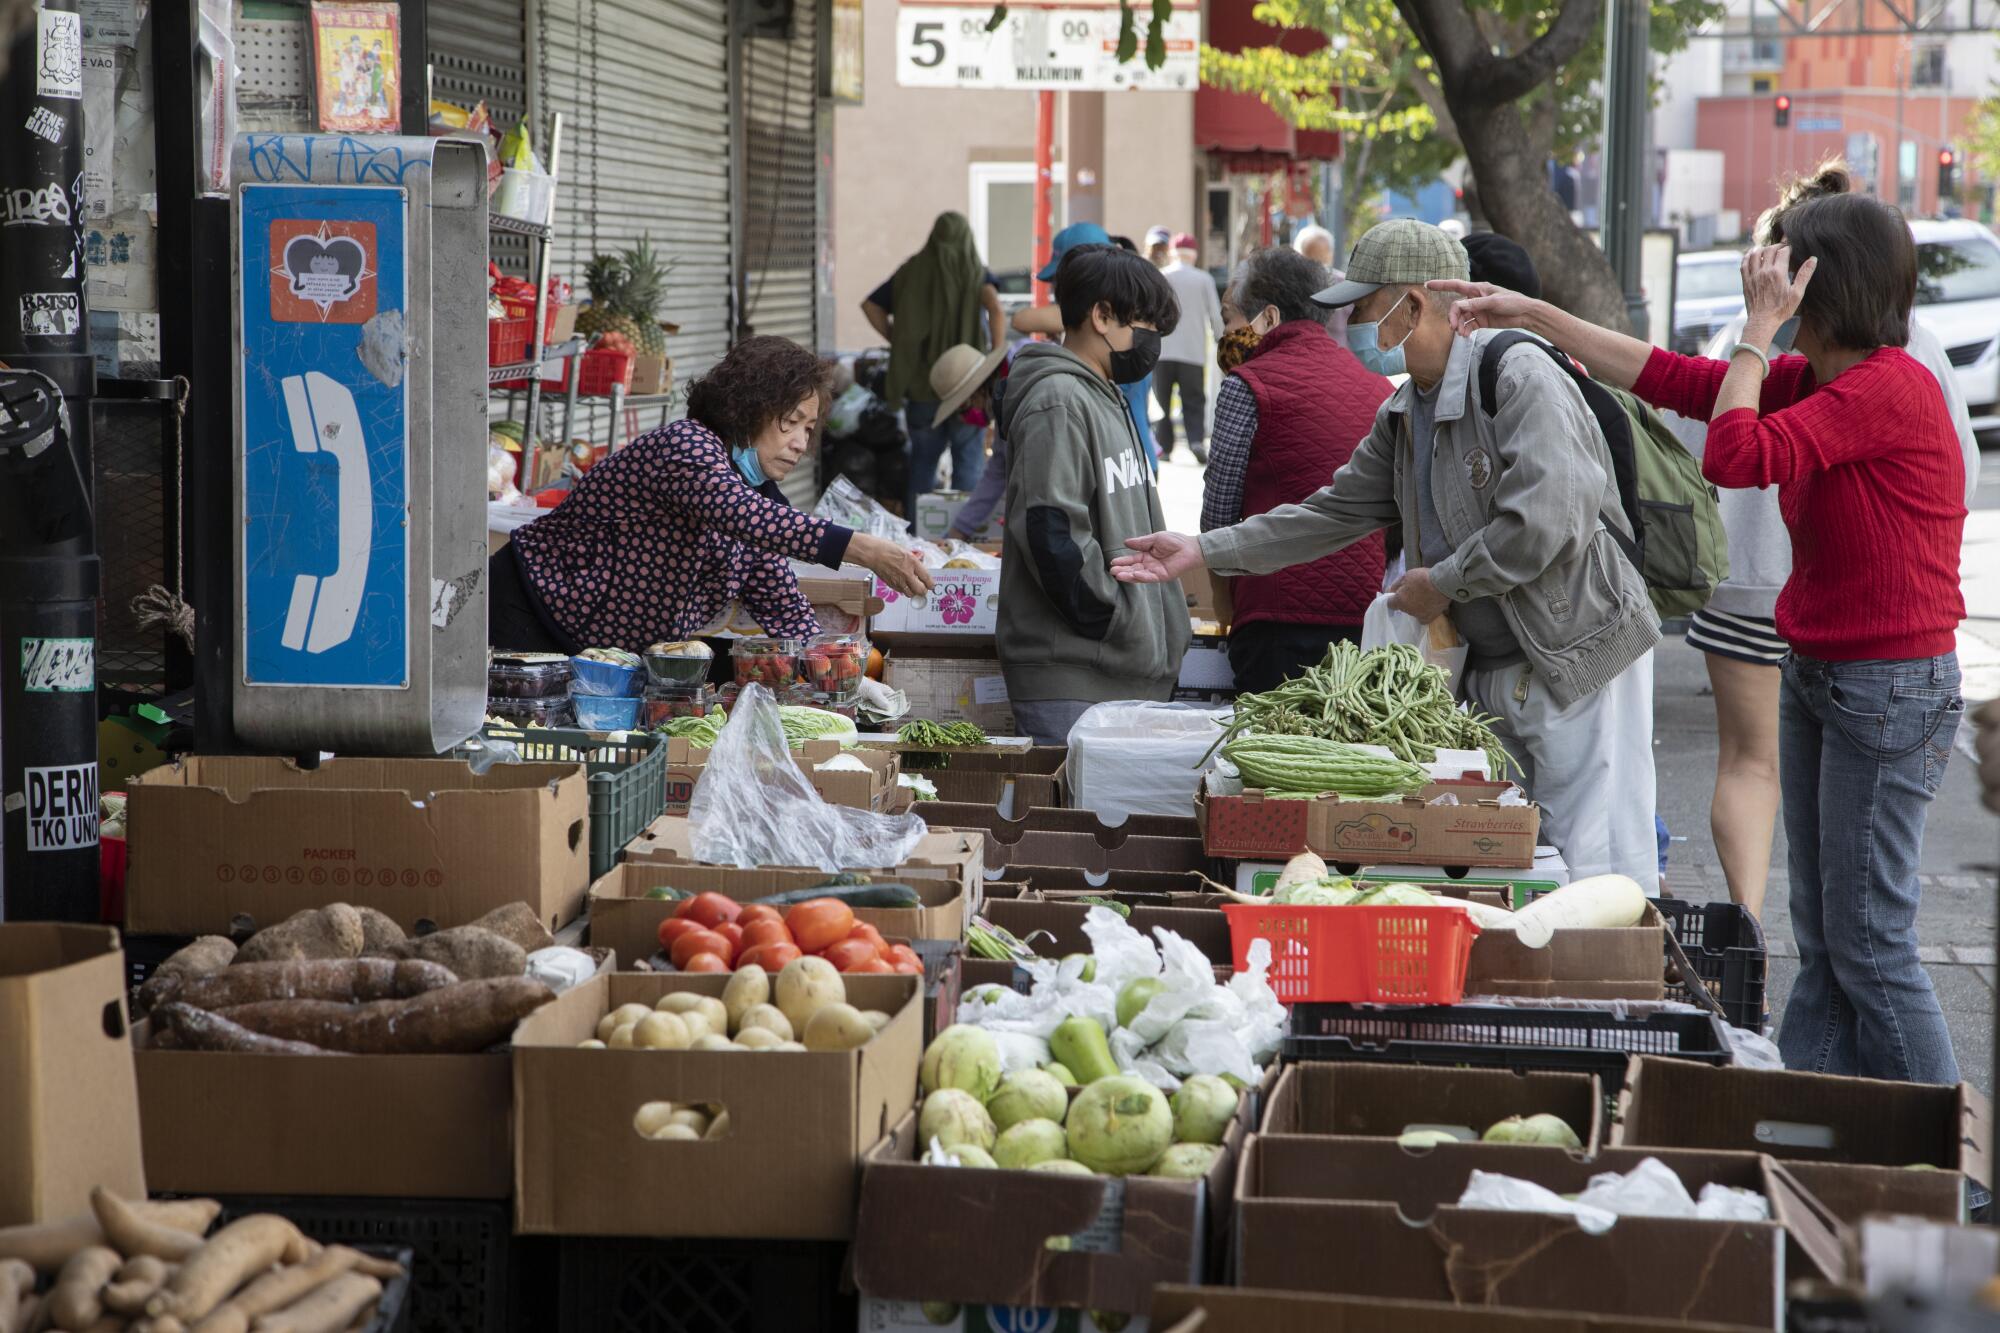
column 199, row 1030
column 47, row 1246
column 74, row 1303
column 231, row 1257
column 206, row 956
column 350, row 980
column 33, row 1315
column 473, row 953
column 277, row 1289
column 17, row 1285
column 329, row 1309
column 333, row 931
column 519, row 923
column 380, row 935
column 374, row 1267
column 455, row 1020
column 134, row 1284
column 133, row 1235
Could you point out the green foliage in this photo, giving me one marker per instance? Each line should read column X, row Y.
column 1982, row 136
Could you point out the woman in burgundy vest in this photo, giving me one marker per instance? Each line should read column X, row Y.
column 1286, row 419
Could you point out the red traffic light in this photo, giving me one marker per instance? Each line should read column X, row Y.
column 1784, row 102
column 1945, row 158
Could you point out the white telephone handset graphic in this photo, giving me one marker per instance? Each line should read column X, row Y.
column 323, row 417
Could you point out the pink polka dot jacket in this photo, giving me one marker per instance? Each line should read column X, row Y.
column 660, row 537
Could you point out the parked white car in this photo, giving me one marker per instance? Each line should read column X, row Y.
column 1958, row 299
column 1708, row 293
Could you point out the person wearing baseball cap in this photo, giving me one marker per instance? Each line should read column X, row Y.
column 1508, row 510
column 1046, row 320
column 1159, row 246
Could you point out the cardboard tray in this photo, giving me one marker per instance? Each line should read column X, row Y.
column 1178, row 1309
column 1381, row 1101
column 1478, row 831
column 1204, row 927
column 1602, row 963
column 874, row 790
column 1009, row 829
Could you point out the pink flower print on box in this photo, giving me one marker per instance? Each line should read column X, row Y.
column 957, row 605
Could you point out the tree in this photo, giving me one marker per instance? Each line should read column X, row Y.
column 1510, row 83
column 1983, row 137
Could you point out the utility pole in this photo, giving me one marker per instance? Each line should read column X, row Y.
column 1627, row 161
column 48, row 531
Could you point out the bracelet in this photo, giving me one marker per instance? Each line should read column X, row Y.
column 1755, row 351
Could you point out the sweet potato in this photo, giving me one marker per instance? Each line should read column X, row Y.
column 277, row 1289
column 461, row 1019
column 33, row 1316
column 379, row 934
column 134, row 1284
column 333, row 931
column 350, row 980
column 17, row 1286
column 231, row 1257
column 199, row 1030
column 74, row 1302
column 473, row 953
column 133, row 1235
column 518, row 922
column 204, row 957
column 329, row 1309
column 47, row 1246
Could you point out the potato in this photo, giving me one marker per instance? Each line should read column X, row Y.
column 697, row 1024
column 837, row 1027
column 651, row 1115
column 768, row 1017
column 622, row 1037
column 677, row 1002
column 758, row 1039
column 805, row 987
column 693, row 1117
column 875, row 1018
column 749, row 987
column 620, row 1017
column 789, row 1046
column 718, row 1128
column 713, row 1041
column 676, row 1134
column 592, row 1045
column 661, row 1032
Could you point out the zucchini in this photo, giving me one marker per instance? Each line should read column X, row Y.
column 854, row 895
column 849, row 878
column 668, row 894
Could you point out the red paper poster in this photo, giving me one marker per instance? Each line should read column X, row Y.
column 357, row 68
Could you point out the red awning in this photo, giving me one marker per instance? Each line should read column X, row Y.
column 1230, row 123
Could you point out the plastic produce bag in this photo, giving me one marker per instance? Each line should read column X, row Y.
column 845, row 414
column 1141, row 758
column 753, row 807
column 1650, row 1189
column 1437, row 641
column 845, row 504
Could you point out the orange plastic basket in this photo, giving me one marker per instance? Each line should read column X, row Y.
column 1358, row 955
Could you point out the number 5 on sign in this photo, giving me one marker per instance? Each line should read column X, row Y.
column 947, row 46
column 1042, row 44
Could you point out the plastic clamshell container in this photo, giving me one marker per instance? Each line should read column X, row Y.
column 529, row 676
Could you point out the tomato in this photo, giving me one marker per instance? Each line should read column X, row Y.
column 700, row 941
column 910, row 969
column 758, row 912
column 732, row 932
column 684, row 906
column 849, row 955
column 763, row 931
column 673, row 928
column 712, row 909
column 771, row 957
column 819, row 923
column 705, row 962
column 903, row 953
column 863, row 931
column 875, row 966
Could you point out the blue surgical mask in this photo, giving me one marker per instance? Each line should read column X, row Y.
column 1364, row 340
column 1787, row 334
column 746, row 463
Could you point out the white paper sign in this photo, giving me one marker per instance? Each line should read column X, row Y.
column 59, row 55
column 62, row 807
column 1071, row 46
column 989, row 689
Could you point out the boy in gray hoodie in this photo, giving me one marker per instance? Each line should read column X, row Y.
column 1079, row 484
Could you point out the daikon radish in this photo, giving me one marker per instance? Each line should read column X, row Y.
column 1597, row 902
column 1304, row 868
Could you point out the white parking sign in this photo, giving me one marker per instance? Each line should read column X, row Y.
column 1040, row 46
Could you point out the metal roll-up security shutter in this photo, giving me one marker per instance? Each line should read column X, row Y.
column 643, row 88
column 478, row 54
column 779, row 243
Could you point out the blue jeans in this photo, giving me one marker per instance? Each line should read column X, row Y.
column 928, row 444
column 1862, row 749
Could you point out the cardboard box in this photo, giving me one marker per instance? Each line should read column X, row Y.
column 652, row 374
column 928, row 1233
column 69, row 1104
column 1210, row 605
column 946, row 684
column 1604, row 963
column 1011, row 777
column 1204, row 927
column 1353, row 1099
column 842, row 603
column 1844, row 1198
column 1179, row 1309
column 1059, row 882
column 1804, row 1117
column 215, row 838
column 1009, row 828
column 1361, row 1217
column 962, row 604
column 799, row 1123
column 1478, row 831
column 212, row 1122
column 1087, row 851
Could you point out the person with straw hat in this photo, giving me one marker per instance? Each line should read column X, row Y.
column 967, row 382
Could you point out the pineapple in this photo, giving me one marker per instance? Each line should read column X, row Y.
column 608, row 280
column 639, row 297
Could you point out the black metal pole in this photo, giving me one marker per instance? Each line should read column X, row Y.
column 48, row 541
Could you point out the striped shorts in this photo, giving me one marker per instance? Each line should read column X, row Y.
column 1744, row 638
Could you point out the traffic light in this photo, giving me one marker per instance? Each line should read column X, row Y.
column 1947, row 174
column 1781, row 111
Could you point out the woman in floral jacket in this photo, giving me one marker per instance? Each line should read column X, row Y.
column 665, row 533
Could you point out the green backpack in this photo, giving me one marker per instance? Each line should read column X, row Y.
column 1680, row 548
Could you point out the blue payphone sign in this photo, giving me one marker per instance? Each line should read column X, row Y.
column 325, row 437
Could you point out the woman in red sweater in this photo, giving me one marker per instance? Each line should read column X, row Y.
column 1855, row 434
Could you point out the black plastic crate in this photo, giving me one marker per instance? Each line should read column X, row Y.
column 630, row 1285
column 1725, row 946
column 461, row 1251
column 1580, row 1040
column 392, row 1311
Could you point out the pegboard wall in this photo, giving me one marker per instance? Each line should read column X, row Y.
column 273, row 90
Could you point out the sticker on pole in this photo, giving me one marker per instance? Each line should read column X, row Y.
column 51, row 314
column 1062, row 46
column 58, row 666
column 62, row 808
column 59, row 58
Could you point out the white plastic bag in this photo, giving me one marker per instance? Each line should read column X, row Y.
column 1141, row 758
column 753, row 807
column 1437, row 641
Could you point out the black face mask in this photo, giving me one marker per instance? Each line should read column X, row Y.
column 1137, row 361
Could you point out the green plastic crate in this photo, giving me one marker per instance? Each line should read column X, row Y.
column 628, row 779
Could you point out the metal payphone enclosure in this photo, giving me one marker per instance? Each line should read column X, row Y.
column 359, row 277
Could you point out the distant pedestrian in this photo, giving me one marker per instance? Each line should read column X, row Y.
column 1159, row 246
column 1184, row 352
column 1316, row 244
column 941, row 296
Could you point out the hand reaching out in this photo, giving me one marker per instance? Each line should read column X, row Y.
column 1159, row 558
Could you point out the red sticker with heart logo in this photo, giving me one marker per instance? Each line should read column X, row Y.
column 322, row 272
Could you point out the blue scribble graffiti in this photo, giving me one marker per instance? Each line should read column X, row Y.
column 290, row 157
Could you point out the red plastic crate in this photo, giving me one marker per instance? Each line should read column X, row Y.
column 523, row 308
column 507, row 340
column 1358, row 955
column 602, row 369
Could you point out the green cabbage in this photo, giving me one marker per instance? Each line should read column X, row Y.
column 1328, row 891
column 1397, row 895
column 804, row 724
